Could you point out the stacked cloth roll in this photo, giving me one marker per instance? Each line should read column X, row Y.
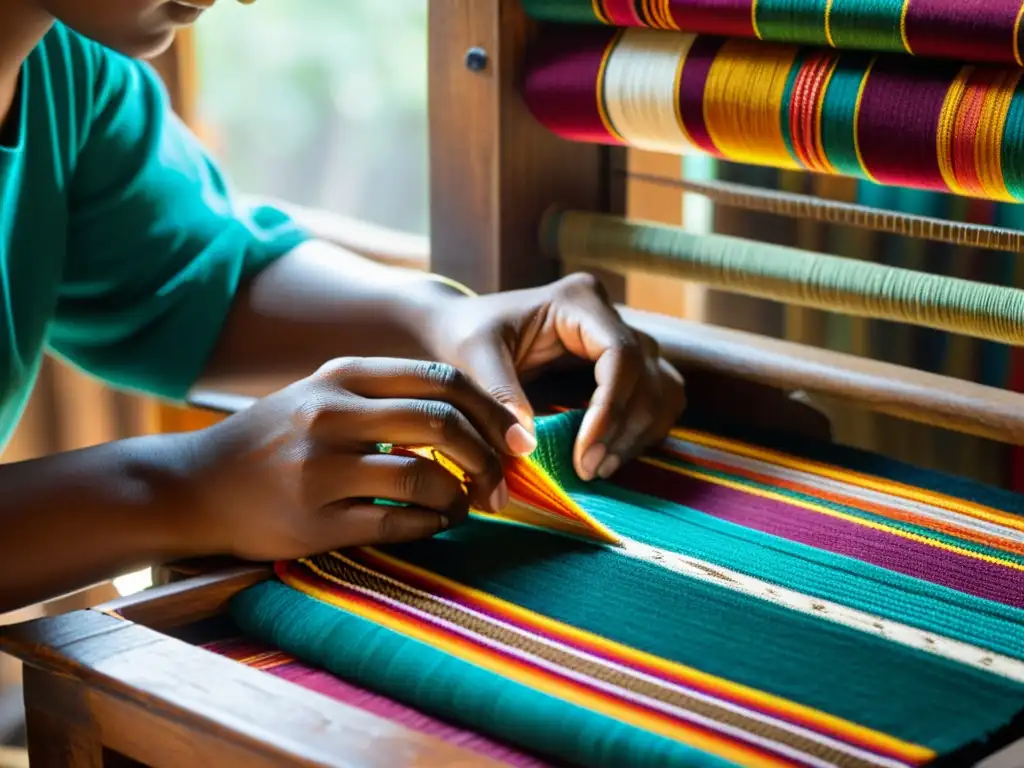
column 828, row 86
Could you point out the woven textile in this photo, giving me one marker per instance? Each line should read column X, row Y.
column 971, row 30
column 760, row 607
column 925, row 124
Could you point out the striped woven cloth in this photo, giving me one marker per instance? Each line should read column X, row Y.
column 761, row 605
column 971, row 30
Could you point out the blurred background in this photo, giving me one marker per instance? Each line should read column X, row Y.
column 322, row 103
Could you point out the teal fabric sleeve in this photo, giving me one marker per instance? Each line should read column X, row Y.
column 158, row 245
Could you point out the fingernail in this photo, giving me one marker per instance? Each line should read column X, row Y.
column 443, row 520
column 499, row 499
column 592, row 460
column 609, row 467
column 520, row 441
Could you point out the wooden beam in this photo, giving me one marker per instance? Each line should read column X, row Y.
column 494, row 170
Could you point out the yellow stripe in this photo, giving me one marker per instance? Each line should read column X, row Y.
column 749, row 696
column 669, row 19
column 743, row 122
column 1016, row 35
column 753, row 20
column 947, row 127
column 833, row 513
column 599, row 11
column 988, row 156
column 856, row 117
column 903, row 26
column 889, row 487
column 828, row 24
column 538, row 680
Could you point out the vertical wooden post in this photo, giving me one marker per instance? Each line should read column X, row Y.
column 494, row 170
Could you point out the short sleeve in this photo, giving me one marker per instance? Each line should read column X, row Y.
column 157, row 244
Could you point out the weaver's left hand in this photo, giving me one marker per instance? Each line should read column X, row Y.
column 498, row 338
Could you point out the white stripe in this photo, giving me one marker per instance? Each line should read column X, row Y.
column 845, row 489
column 938, row 645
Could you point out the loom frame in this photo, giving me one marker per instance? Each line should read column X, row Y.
column 114, row 691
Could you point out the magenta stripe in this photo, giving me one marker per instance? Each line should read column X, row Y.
column 787, row 521
column 622, row 13
column 729, row 18
column 898, row 121
column 971, row 30
column 560, row 87
column 325, row 683
column 692, row 84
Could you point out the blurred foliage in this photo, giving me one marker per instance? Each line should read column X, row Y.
column 322, row 102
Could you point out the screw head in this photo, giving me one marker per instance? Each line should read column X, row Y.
column 476, row 59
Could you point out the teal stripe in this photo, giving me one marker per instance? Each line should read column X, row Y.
column 562, row 11
column 870, row 25
column 1012, row 145
column 837, row 114
column 799, row 567
column 412, row 672
column 912, row 695
column 900, row 525
column 792, row 21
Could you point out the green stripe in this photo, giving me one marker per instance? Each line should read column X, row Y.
column 562, row 11
column 837, row 113
column 792, row 21
column 870, row 25
column 1013, row 145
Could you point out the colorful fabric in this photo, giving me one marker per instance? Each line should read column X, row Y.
column 970, row 30
column 914, row 123
column 759, row 608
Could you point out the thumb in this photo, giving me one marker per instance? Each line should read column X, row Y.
column 489, row 363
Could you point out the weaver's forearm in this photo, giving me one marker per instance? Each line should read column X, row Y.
column 70, row 520
column 320, row 302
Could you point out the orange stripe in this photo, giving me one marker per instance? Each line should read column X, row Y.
column 849, row 501
column 536, row 678
column 654, row 665
column 891, row 487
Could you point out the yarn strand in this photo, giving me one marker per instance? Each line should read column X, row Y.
column 790, row 275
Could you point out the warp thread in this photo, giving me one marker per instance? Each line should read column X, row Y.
column 849, row 286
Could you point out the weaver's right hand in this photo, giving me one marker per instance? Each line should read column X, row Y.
column 295, row 474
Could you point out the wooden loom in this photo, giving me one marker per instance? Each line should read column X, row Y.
column 108, row 691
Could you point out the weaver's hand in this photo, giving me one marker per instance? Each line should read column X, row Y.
column 293, row 475
column 498, row 338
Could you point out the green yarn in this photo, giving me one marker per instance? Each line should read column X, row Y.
column 562, row 11
column 871, row 25
column 837, row 113
column 792, row 21
column 803, row 278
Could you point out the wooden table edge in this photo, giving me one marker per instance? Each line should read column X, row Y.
column 112, row 666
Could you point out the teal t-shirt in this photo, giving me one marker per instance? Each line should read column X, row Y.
column 121, row 246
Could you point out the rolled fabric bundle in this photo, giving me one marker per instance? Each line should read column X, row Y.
column 965, row 30
column 925, row 124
